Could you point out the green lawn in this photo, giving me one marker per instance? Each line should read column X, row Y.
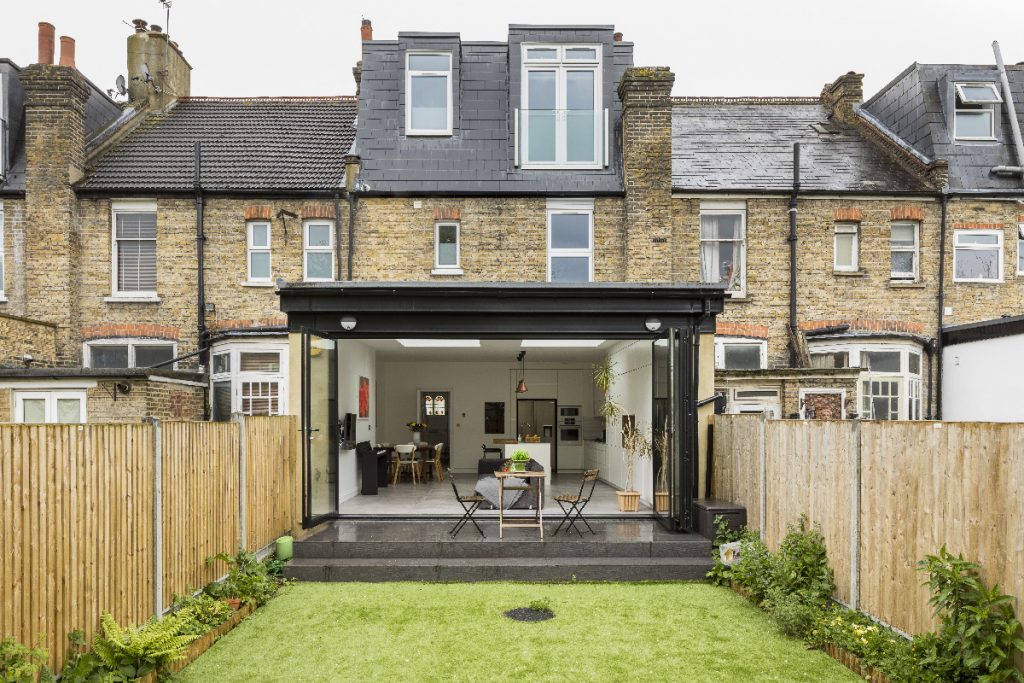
column 456, row 632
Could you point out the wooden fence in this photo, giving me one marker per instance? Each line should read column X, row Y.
column 104, row 517
column 885, row 494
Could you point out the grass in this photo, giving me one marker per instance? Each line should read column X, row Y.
column 456, row 632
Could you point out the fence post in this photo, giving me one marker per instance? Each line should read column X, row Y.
column 158, row 518
column 242, row 453
column 855, row 515
column 762, row 473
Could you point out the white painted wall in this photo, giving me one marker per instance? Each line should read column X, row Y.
column 471, row 385
column 981, row 380
column 355, row 360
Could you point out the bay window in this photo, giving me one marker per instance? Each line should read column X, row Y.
column 561, row 124
column 723, row 249
column 977, row 255
column 428, row 93
column 570, row 241
column 904, row 251
column 248, row 378
column 890, row 378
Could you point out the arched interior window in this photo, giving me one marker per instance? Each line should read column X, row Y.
column 439, row 405
column 428, row 405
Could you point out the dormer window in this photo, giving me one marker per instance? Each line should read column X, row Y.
column 561, row 123
column 974, row 116
column 428, row 93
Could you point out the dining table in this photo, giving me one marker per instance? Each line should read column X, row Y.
column 533, row 481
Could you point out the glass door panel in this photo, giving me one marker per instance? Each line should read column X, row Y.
column 320, row 427
column 663, row 426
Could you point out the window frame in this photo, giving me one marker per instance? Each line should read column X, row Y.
column 561, row 65
column 976, row 247
column 974, row 107
column 131, row 343
column 741, row 292
column 856, row 245
column 856, row 350
column 253, row 249
column 1020, row 249
column 3, row 259
column 804, row 391
column 50, row 396
column 133, row 207
column 565, row 207
column 413, row 73
column 447, row 269
column 306, row 249
column 916, row 250
column 236, row 378
column 721, row 341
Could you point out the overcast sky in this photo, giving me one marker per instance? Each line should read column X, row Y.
column 715, row 47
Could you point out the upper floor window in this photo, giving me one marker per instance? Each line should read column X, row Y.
column 570, row 241
column 978, row 255
column 428, row 93
column 1020, row 245
column 318, row 256
column 974, row 115
column 129, row 353
column 446, row 248
column 846, row 247
column 561, row 124
column 258, row 248
column 904, row 251
column 4, row 134
column 723, row 248
column 737, row 353
column 134, row 249
column 3, row 274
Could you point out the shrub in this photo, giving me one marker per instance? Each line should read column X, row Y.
column 248, row 580
column 755, row 570
column 794, row 616
column 802, row 564
column 21, row 664
column 199, row 614
column 83, row 666
column 721, row 573
column 133, row 652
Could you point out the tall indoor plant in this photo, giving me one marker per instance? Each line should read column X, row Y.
column 661, row 444
column 636, row 445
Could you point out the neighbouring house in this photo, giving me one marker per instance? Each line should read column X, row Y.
column 982, row 366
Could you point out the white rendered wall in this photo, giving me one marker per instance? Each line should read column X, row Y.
column 982, row 380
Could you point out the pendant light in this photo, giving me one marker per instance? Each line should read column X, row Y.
column 521, row 387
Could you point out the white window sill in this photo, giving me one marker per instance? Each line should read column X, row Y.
column 3, row 299
column 428, row 133
column 849, row 273
column 977, row 282
column 560, row 167
column 128, row 299
column 906, row 284
column 257, row 283
column 446, row 271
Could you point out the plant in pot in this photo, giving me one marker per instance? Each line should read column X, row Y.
column 519, row 460
column 635, row 446
column 604, row 379
column 661, row 446
column 415, row 427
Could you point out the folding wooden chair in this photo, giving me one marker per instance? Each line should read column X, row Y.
column 572, row 505
column 470, row 504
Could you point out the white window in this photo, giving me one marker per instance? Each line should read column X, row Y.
column 129, row 353
column 258, row 240
column 1020, row 246
column 846, row 247
column 49, row 406
column 561, row 124
column 4, row 133
column 978, row 255
column 318, row 259
column 570, row 241
column 428, row 93
column 880, row 398
column 248, row 378
column 134, row 249
column 738, row 353
column 890, row 377
column 447, row 248
column 723, row 249
column 974, row 114
column 903, row 248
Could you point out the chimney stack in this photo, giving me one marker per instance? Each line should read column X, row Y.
column 67, row 51
column 366, row 30
column 46, row 33
column 156, row 29
column 140, row 25
column 617, row 36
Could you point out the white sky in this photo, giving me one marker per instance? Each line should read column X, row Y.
column 716, row 47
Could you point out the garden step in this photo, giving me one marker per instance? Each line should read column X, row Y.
column 499, row 569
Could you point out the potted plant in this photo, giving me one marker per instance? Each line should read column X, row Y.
column 661, row 503
column 519, row 460
column 635, row 445
column 604, row 379
column 415, row 427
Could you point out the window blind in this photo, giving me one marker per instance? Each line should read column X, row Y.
column 136, row 252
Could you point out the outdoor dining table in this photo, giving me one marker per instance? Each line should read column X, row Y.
column 533, row 482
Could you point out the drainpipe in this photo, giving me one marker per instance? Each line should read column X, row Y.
column 792, row 256
column 1018, row 142
column 352, row 201
column 943, row 202
column 200, row 280
column 337, row 233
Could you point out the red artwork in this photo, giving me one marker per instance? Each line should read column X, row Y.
column 364, row 397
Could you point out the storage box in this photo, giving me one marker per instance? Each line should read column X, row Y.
column 705, row 512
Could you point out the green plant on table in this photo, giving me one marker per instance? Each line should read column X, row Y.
column 134, row 651
column 22, row 664
column 199, row 614
column 248, row 579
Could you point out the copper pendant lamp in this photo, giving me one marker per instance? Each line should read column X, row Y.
column 521, row 387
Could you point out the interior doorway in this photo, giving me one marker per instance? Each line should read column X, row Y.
column 435, row 412
column 537, row 417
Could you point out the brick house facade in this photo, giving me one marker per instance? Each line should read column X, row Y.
column 664, row 177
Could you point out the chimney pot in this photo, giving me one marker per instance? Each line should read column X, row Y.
column 140, row 25
column 156, row 29
column 366, row 30
column 67, row 51
column 46, row 33
column 617, row 36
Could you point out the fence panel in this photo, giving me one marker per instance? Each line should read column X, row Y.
column 73, row 540
column 273, row 491
column 736, row 471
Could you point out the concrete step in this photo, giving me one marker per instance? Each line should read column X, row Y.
column 475, row 547
column 499, row 569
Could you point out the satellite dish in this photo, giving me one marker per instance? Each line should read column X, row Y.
column 121, row 89
column 145, row 73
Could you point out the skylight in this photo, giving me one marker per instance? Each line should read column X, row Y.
column 439, row 343
column 562, row 343
column 978, row 93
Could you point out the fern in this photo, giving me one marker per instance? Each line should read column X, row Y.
column 135, row 651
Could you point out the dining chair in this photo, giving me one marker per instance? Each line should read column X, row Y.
column 572, row 504
column 436, row 461
column 470, row 504
column 405, row 458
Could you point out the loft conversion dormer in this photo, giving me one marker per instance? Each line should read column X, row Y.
column 974, row 115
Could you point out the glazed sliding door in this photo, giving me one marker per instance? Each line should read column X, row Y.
column 319, row 428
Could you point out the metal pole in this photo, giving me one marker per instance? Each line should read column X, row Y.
column 793, row 352
column 855, row 514
column 158, row 517
column 1018, row 142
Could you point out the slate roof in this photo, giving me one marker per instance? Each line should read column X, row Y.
column 745, row 144
column 479, row 156
column 256, row 144
column 917, row 106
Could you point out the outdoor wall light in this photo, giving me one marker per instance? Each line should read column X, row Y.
column 348, row 323
column 652, row 324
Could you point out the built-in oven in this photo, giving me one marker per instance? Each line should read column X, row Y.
column 570, row 434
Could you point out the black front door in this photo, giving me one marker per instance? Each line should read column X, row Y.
column 435, row 412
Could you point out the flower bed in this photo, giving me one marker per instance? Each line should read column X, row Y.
column 854, row 664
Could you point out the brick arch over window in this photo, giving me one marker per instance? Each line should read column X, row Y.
column 131, row 330
column 866, row 325
column 728, row 329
